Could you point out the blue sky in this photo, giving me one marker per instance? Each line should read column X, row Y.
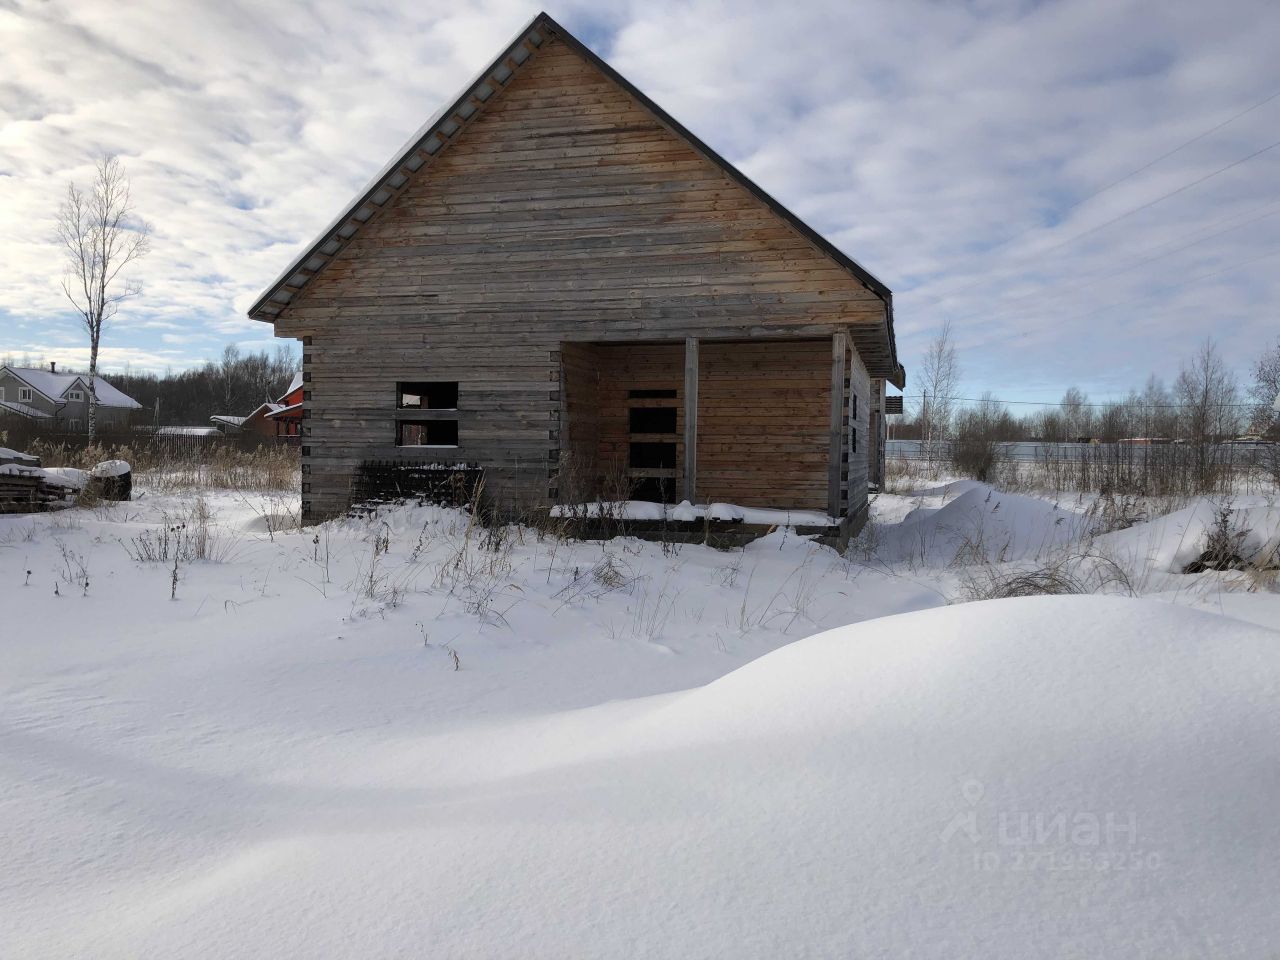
column 976, row 156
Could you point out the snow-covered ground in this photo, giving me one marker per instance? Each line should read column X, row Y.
column 397, row 737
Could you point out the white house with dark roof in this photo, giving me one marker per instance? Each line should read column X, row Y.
column 46, row 394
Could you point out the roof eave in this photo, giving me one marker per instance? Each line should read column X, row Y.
column 872, row 283
column 419, row 140
column 540, row 26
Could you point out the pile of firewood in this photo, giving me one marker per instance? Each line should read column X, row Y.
column 26, row 488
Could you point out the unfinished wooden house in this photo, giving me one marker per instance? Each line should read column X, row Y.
column 556, row 282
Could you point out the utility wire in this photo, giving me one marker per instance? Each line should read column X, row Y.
column 1128, row 176
column 1160, row 199
column 1095, row 312
column 1002, row 304
column 1165, row 156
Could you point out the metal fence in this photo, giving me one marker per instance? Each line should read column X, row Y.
column 1239, row 454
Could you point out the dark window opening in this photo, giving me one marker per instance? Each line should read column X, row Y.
column 653, row 419
column 653, row 456
column 854, row 440
column 427, row 433
column 651, row 394
column 654, row 490
column 422, row 395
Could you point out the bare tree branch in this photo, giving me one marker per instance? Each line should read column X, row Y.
column 100, row 237
column 939, row 379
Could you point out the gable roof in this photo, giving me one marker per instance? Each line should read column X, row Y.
column 294, row 384
column 54, row 386
column 22, row 410
column 284, row 411
column 262, row 410
column 443, row 128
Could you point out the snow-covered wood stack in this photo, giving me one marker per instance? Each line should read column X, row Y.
column 26, row 487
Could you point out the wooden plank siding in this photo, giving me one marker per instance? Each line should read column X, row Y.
column 626, row 367
column 858, row 447
column 763, row 413
column 762, row 416
column 566, row 213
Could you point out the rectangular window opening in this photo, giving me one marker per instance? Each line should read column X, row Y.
column 654, row 490
column 24, row 394
column 651, row 394
column 427, row 395
column 653, row 419
column 653, row 456
column 427, row 433
column 75, row 396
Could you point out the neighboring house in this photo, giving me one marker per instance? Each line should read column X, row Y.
column 556, row 281
column 288, row 419
column 62, row 398
column 280, row 418
column 227, row 424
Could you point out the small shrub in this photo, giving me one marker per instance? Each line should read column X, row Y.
column 1222, row 544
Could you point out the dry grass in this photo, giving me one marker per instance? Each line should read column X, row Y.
column 176, row 467
column 1168, row 471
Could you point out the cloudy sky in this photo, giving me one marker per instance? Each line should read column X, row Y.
column 1086, row 189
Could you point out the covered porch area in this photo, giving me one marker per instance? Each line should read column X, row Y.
column 760, row 423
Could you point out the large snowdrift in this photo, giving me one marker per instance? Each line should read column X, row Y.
column 969, row 521
column 1169, row 543
column 1021, row 778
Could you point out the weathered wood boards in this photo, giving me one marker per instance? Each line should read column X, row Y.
column 690, row 485
column 763, row 417
column 566, row 214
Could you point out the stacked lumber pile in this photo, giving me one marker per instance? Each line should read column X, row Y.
column 26, row 488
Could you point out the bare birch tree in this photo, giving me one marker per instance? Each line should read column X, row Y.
column 100, row 237
column 1207, row 392
column 1265, row 392
column 939, row 380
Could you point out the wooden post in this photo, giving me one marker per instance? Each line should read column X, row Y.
column 837, row 424
column 690, row 418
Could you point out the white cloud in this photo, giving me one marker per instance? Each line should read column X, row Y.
column 942, row 145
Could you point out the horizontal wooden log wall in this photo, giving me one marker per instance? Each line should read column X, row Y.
column 635, row 367
column 576, row 479
column 762, row 423
column 858, row 448
column 565, row 212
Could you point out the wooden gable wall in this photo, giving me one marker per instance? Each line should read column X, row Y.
column 566, row 212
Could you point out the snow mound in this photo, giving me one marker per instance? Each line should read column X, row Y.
column 1025, row 670
column 980, row 523
column 1052, row 776
column 1042, row 777
column 1168, row 544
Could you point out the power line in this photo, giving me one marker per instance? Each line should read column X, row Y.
column 1165, row 156
column 1128, row 176
column 1003, row 304
column 1161, row 198
column 1231, row 268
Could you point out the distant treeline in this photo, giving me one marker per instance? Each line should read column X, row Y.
column 1205, row 404
column 236, row 384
